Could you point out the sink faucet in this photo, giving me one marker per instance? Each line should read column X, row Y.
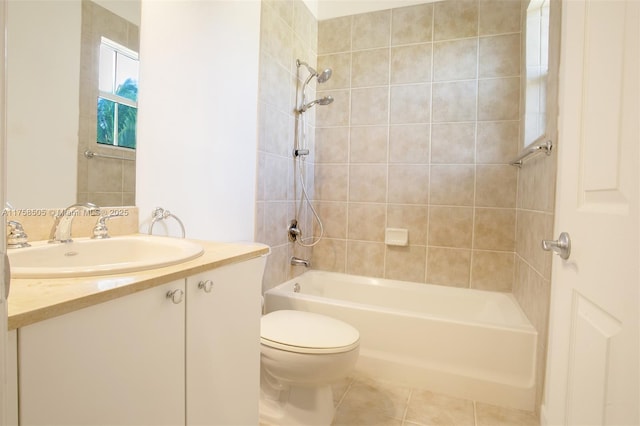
column 61, row 229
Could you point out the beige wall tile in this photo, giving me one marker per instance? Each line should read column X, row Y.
column 366, row 222
column 453, row 143
column 368, row 144
column 408, row 184
column 370, row 68
column 365, row 258
column 276, row 178
column 371, row 30
column 334, row 35
column 449, row 267
column 455, row 19
column 499, row 16
column 494, row 229
column 406, row 263
column 369, row 106
column 532, row 227
column 305, row 24
column 330, row 255
column 412, row 217
column 450, row 226
column 331, row 182
column 452, row 185
column 276, row 218
column 499, row 56
column 275, row 271
column 498, row 142
column 332, row 145
column 412, row 24
column 334, row 219
column 492, row 270
column 499, row 99
column 454, row 101
column 411, row 64
column 496, row 185
column 409, row 143
column 455, row 60
column 410, row 104
column 275, row 127
column 276, row 38
column 340, row 65
column 105, row 175
column 368, row 183
column 283, row 8
column 335, row 114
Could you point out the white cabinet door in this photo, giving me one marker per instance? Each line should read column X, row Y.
column 117, row 363
column 223, row 344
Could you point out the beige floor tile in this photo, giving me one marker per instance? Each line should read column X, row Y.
column 428, row 408
column 368, row 402
column 340, row 388
column 490, row 415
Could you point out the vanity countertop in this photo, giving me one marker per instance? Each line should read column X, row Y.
column 33, row 300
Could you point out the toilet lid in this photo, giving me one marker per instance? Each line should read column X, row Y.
column 306, row 332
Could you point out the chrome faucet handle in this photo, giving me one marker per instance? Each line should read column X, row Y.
column 100, row 230
column 16, row 238
column 61, row 229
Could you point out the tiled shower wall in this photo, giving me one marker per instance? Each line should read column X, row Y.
column 425, row 120
column 103, row 181
column 535, row 215
column 288, row 32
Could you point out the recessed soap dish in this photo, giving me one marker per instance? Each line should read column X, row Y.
column 396, row 236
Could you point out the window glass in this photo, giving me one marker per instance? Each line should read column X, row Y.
column 117, row 107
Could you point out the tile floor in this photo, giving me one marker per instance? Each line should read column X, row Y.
column 365, row 402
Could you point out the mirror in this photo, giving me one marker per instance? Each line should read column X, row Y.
column 52, row 75
column 537, row 70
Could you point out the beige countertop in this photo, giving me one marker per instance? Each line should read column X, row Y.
column 33, row 300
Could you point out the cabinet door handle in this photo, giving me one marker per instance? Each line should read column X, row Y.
column 207, row 286
column 176, row 296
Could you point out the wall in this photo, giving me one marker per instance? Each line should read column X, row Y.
column 197, row 117
column 425, row 120
column 535, row 214
column 288, row 32
column 43, row 41
column 102, row 181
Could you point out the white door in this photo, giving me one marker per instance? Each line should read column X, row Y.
column 593, row 363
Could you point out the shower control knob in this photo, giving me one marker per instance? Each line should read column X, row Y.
column 207, row 286
column 561, row 246
column 176, row 296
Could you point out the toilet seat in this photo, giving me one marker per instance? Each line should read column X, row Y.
column 307, row 333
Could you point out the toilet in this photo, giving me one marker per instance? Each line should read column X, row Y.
column 301, row 355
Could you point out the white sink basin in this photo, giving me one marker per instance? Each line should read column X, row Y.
column 84, row 256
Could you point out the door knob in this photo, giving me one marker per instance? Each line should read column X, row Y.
column 175, row 295
column 561, row 246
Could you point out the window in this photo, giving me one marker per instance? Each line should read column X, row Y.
column 117, row 95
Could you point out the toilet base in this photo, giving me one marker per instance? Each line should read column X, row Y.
column 296, row 406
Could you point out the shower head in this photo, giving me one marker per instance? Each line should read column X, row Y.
column 322, row 101
column 322, row 77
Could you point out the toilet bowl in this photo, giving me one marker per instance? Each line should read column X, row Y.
column 301, row 355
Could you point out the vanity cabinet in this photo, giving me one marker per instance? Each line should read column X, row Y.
column 120, row 362
column 223, row 345
column 149, row 359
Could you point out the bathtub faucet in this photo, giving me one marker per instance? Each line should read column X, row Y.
column 296, row 261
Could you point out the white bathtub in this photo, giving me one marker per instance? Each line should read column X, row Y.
column 465, row 343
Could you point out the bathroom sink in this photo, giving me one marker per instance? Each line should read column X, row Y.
column 85, row 257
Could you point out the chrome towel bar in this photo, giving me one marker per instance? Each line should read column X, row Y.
column 546, row 147
column 90, row 154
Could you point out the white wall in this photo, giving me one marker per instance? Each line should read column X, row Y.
column 197, row 124
column 43, row 72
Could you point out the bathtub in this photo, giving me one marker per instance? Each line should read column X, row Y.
column 465, row 343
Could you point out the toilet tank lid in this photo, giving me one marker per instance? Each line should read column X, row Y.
column 307, row 330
